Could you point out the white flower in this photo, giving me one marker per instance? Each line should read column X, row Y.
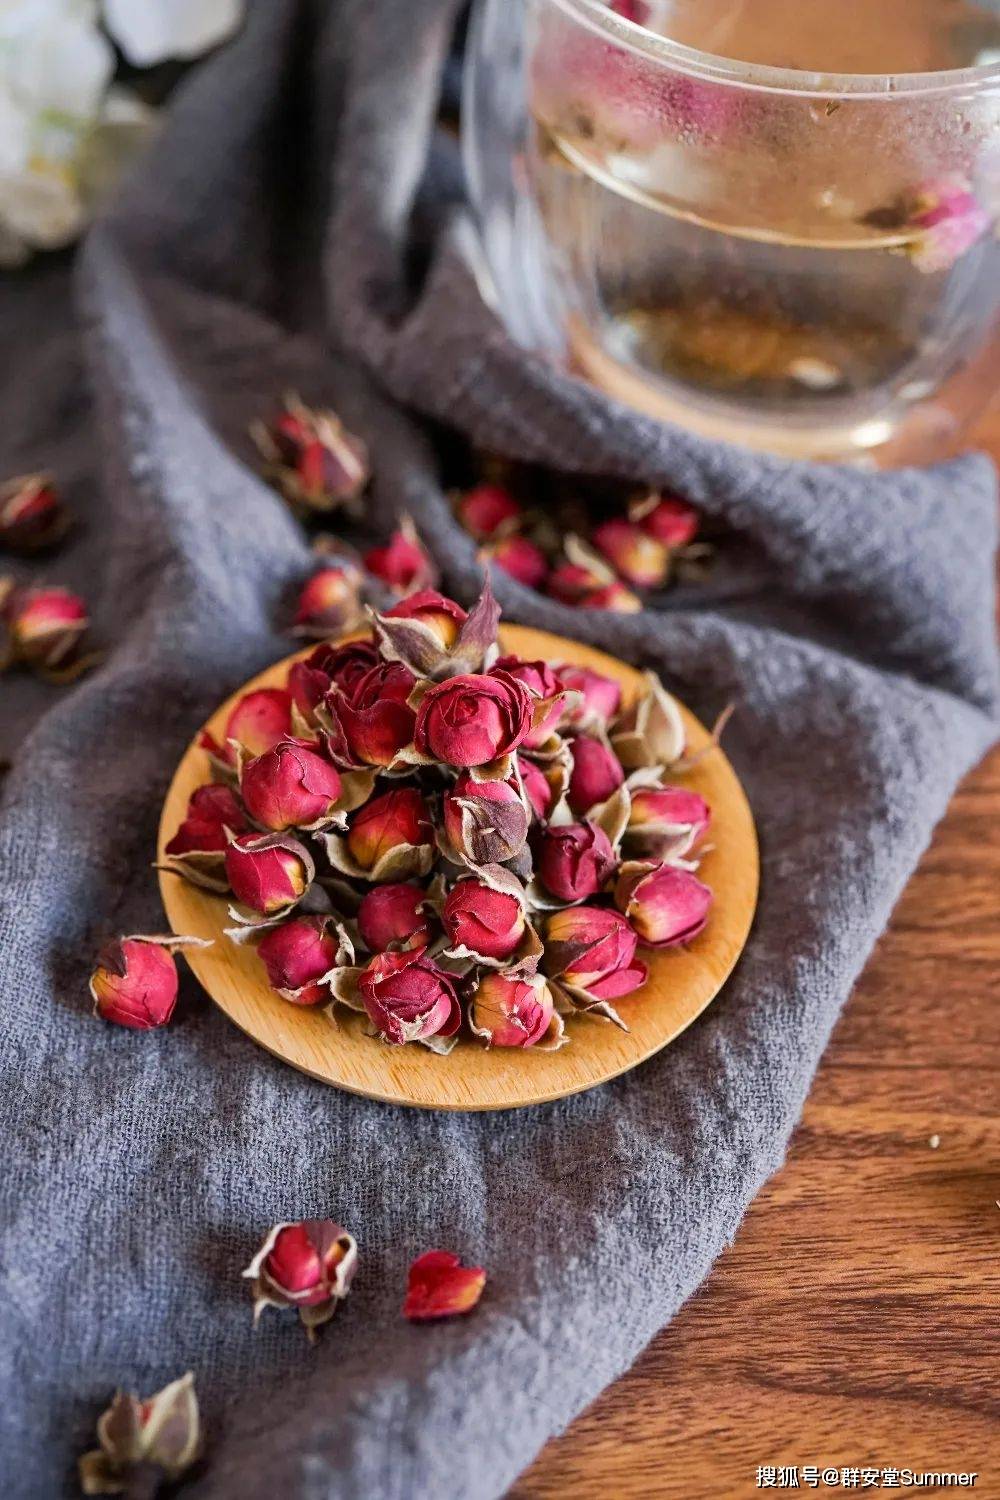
column 149, row 31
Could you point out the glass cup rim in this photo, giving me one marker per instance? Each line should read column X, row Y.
column 596, row 15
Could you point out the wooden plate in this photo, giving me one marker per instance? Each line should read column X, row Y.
column 681, row 982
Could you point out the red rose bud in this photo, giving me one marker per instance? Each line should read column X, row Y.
column 541, row 682
column 259, row 720
column 639, row 558
column 345, row 665
column 665, row 905
column 439, row 1286
column 440, row 614
column 592, row 949
column 32, row 516
column 135, row 981
column 667, row 819
column 143, row 1442
column 571, row 583
column 596, row 773
column 309, row 1266
column 615, row 598
column 575, row 860
column 289, row 787
column 45, row 626
column 483, row 921
column 297, row 955
column 409, row 999
column 312, row 458
column 471, row 720
column 394, row 820
column 211, row 810
column 391, row 916
column 404, row 564
column 268, row 873
column 536, row 787
column 509, row 1012
column 520, row 559
column 374, row 715
column 600, row 697
column 485, row 822
column 669, row 520
column 487, row 510
column 330, row 601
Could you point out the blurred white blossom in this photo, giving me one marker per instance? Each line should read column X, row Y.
column 149, row 31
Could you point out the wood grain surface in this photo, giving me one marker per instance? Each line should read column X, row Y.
column 681, row 982
column 856, row 1320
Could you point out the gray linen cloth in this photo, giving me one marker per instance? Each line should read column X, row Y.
column 851, row 617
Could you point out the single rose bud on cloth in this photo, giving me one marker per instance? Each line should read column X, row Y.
column 329, row 602
column 640, row 558
column 296, row 955
column 311, row 457
column 268, row 872
column 481, row 920
column 670, row 520
column 471, row 720
column 409, row 999
column 32, row 516
column 574, row 860
column 44, row 627
column 308, row 1266
column 403, row 564
column 145, row 1444
column 485, row 822
column 289, row 786
column 134, row 983
column 391, row 916
column 520, row 558
column 439, row 1286
column 507, row 1011
column 592, row 949
column 666, row 906
column 487, row 510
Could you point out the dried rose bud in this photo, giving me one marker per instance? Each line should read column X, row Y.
column 259, row 720
column 135, row 981
column 615, row 598
column 520, row 559
column 599, row 696
column 665, row 905
column 312, row 458
column 409, row 999
column 481, row 920
column 289, row 786
column 374, row 714
column 269, row 872
column 404, row 565
column 211, row 810
column 485, row 822
column 329, row 602
column 439, row 1286
column 571, row 583
column 440, row 614
column 297, row 955
column 397, row 819
column 667, row 819
column 670, row 520
column 308, row 1266
column 45, row 627
column 392, row 916
column 536, row 787
column 639, row 558
column 543, row 685
column 345, row 665
column 144, row 1443
column 487, row 510
column 471, row 720
column 508, row 1011
column 574, row 860
column 592, row 949
column 32, row 517
column 596, row 773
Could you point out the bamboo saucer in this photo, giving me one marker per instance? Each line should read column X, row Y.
column 681, row 982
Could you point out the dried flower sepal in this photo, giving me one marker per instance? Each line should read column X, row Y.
column 307, row 1265
column 155, row 1440
column 439, row 1286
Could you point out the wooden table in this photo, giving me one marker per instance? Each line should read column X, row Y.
column 856, row 1320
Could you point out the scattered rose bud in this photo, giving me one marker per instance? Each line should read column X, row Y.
column 574, row 860
column 536, row 787
column 485, row 822
column 308, row 1266
column 289, row 786
column 595, row 775
column 543, row 685
column 329, row 602
column 392, row 916
column 615, row 597
column 297, row 955
column 599, row 696
column 667, row 820
column 641, row 560
column 397, row 819
column 258, row 721
column 32, row 517
column 483, row 921
column 571, row 583
column 268, row 873
column 439, row 1286
column 665, row 905
column 515, row 1012
column 211, row 810
column 45, row 628
column 135, row 981
column 144, row 1443
column 404, row 564
column 409, row 999
column 441, row 615
column 375, row 716
column 520, row 559
column 670, row 520
column 471, row 720
column 315, row 462
column 592, row 950
column 488, row 510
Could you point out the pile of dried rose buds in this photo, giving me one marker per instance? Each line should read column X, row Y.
column 420, row 829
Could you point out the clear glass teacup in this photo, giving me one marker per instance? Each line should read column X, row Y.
column 772, row 221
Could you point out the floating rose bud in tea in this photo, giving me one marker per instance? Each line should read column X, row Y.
column 145, row 1443
column 595, row 775
column 439, row 1286
column 269, row 872
column 443, row 616
column 329, row 602
column 409, row 999
column 32, row 516
column 482, row 920
column 297, row 955
column 308, row 1266
column 509, row 1011
column 471, row 720
column 376, row 718
column 665, row 905
column 392, row 916
column 398, row 819
column 134, row 983
column 312, row 458
column 592, row 949
column 574, row 860
column 487, row 510
column 520, row 558
column 485, row 822
column 289, row 787
column 640, row 558
column 404, row 564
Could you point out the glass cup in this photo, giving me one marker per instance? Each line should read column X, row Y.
column 770, row 221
